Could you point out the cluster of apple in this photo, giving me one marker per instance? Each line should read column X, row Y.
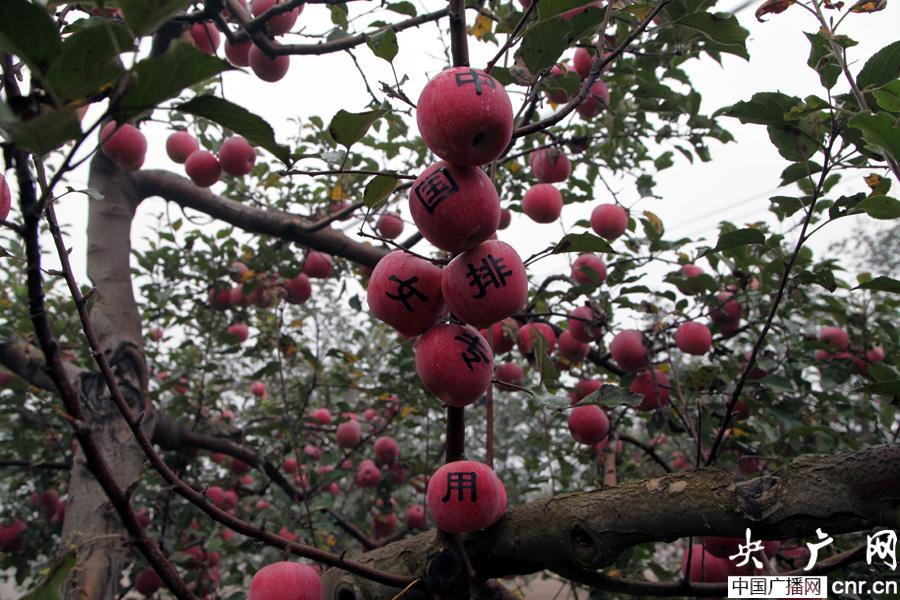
column 598, row 95
column 236, row 157
column 49, row 506
column 838, row 348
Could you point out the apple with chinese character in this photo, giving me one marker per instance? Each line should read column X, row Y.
column 454, row 363
column 465, row 496
column 485, row 284
column 405, row 292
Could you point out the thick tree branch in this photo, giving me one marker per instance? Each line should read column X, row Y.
column 27, row 361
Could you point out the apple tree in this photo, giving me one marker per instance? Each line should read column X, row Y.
column 321, row 374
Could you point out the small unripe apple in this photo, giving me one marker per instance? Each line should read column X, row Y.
column 238, row 331
column 505, row 219
column 238, row 53
column 693, row 338
column 528, row 334
column 285, row 581
column 571, row 349
column 389, row 226
column 585, row 388
column 510, row 372
column 348, row 434
column 258, row 389
column 503, row 335
column 485, row 284
column 368, row 474
column 415, row 517
column 237, row 156
column 628, row 349
column 180, row 145
column 5, row 198
column 582, row 62
column 454, row 207
column 721, row 546
column 835, row 337
column 594, row 103
column 384, row 525
column 550, row 165
column 589, row 268
column 205, row 36
column 279, row 24
column 464, row 496
column 558, row 95
column 203, row 168
column 147, row 582
column 322, row 415
column 268, row 69
column 543, row 203
column 125, row 145
column 465, row 116
column 405, row 292
column 299, row 289
column 454, row 363
column 653, row 385
column 609, row 221
column 588, row 424
column 386, row 450
column 705, row 567
column 580, row 319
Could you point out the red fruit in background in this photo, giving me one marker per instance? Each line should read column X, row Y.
column 580, row 326
column 45, row 503
column 155, row 334
column 653, row 386
column 528, row 334
column 690, row 270
column 285, row 581
column 543, row 203
column 314, row 452
column 126, row 146
column 289, row 465
column 258, row 389
column 558, row 95
column 386, row 450
column 238, row 331
column 510, row 372
column 585, row 388
column 609, row 221
column 503, row 335
column 147, row 582
column 589, row 268
column 875, row 355
column 721, row 546
column 505, row 219
column 596, row 100
column 322, row 415
column 725, row 309
column 11, row 536
column 405, row 292
column 239, row 467
column 454, row 207
column 572, row 349
column 693, row 338
column 835, row 337
column 465, row 116
column 582, row 61
column 389, row 225
column 705, row 567
column 237, row 156
column 464, row 496
column 368, row 474
column 498, row 289
column 588, row 424
column 238, row 53
column 219, row 299
column 180, row 145
column 550, row 165
column 280, row 24
column 268, row 69
column 318, row 264
column 203, row 168
column 749, row 465
column 6, row 198
column 415, row 517
column 205, row 36
column 454, row 363
column 348, row 434
column 216, row 495
column 384, row 525
column 299, row 289
column 628, row 350
column 288, row 534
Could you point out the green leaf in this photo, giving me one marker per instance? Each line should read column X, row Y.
column 145, row 16
column 42, row 134
column 550, row 8
column 50, row 588
column 736, row 238
column 378, row 188
column 763, row 108
column 542, row 362
column 89, row 61
column 544, row 42
column 881, row 284
column 404, row 8
column 798, row 171
column 822, row 277
column 785, row 206
column 237, row 119
column 879, row 130
column 881, row 68
column 347, row 128
column 28, row 32
column 612, row 396
column 889, row 96
column 887, row 388
column 822, row 61
column 582, row 242
column 880, row 207
column 383, row 45
column 721, row 28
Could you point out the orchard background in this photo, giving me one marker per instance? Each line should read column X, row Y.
column 164, row 424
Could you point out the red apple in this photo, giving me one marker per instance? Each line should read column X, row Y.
column 528, row 334
column 464, row 496
column 835, row 337
column 454, row 363
column 349, row 434
column 572, row 349
column 503, row 335
column 582, row 62
column 415, row 517
column 147, row 582
column 454, row 207
column 585, row 388
column 322, row 415
column 299, row 289
column 510, row 372
column 594, row 103
column 238, row 331
column 368, row 474
column 258, row 389
column 588, row 424
column 690, row 270
column 6, row 198
column 268, row 69
column 285, row 581
column 726, row 310
column 386, row 450
column 318, row 265
column 589, row 268
column 125, row 145
column 289, row 465
column 405, row 292
column 205, row 36
column 653, row 386
column 629, row 351
column 180, row 145
column 219, row 299
column 486, row 284
column 693, row 338
column 11, row 536
column 237, row 156
column 155, row 334
column 465, row 116
column 505, row 219
column 609, row 221
column 384, row 525
column 279, row 24
column 389, row 226
column 550, row 165
column 543, row 203
column 875, row 355
column 203, row 168
column 558, row 95
column 721, row 546
column 705, row 567
column 239, row 467
column 238, row 53
column 580, row 319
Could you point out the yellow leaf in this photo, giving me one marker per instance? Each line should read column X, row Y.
column 868, row 6
column 513, row 166
column 873, row 180
column 654, row 220
column 337, row 193
column 481, row 27
column 407, row 410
